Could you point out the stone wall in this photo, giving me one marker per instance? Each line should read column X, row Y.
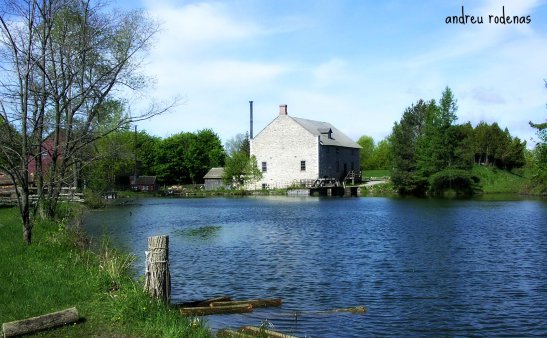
column 283, row 144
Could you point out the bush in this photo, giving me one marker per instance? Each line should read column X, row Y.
column 452, row 181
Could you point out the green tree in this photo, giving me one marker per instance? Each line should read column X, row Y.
column 366, row 152
column 404, row 139
column 241, row 168
column 381, row 157
column 186, row 157
column 62, row 61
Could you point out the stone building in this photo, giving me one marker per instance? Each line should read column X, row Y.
column 291, row 151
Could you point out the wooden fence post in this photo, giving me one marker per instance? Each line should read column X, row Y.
column 157, row 279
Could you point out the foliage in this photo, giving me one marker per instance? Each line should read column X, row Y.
column 366, row 151
column 539, row 157
column 241, row 168
column 63, row 61
column 186, row 157
column 452, row 180
column 238, row 143
column 429, row 151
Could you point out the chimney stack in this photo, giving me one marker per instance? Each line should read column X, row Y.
column 251, row 119
column 283, row 109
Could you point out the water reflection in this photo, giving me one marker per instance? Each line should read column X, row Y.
column 422, row 267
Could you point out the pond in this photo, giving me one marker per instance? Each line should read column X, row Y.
column 422, row 267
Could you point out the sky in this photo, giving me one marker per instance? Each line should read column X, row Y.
column 355, row 64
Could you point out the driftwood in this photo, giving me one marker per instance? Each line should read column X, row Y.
column 256, row 303
column 229, row 333
column 207, row 310
column 157, row 277
column 264, row 332
column 206, row 302
column 354, row 309
column 44, row 322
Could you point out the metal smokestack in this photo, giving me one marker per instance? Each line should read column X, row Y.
column 251, row 113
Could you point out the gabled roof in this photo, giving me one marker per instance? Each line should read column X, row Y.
column 145, row 180
column 214, row 173
column 328, row 134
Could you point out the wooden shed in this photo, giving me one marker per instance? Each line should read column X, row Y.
column 213, row 179
column 143, row 183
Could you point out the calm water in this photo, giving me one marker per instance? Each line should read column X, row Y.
column 421, row 267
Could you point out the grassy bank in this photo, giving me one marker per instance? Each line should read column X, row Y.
column 58, row 271
column 493, row 180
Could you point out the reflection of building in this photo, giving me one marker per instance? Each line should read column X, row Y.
column 143, row 183
column 213, row 179
column 292, row 150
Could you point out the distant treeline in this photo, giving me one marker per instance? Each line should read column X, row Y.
column 183, row 158
column 428, row 153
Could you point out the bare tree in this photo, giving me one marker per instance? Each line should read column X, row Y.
column 64, row 63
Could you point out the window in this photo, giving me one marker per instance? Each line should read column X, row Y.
column 338, row 166
column 302, row 165
column 264, row 167
column 337, row 150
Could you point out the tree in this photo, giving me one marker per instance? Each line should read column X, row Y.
column 63, row 61
column 239, row 142
column 381, row 158
column 366, row 152
column 404, row 139
column 240, row 168
column 186, row 157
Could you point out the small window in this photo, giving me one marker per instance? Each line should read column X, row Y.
column 264, row 185
column 264, row 167
column 302, row 165
column 337, row 150
column 337, row 166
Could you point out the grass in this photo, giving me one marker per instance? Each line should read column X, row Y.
column 493, row 180
column 58, row 271
column 376, row 173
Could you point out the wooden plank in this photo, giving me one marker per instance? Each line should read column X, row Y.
column 206, row 302
column 354, row 309
column 207, row 310
column 34, row 324
column 264, row 332
column 256, row 303
column 229, row 333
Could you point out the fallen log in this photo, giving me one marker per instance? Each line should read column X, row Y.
column 264, row 332
column 256, row 303
column 206, row 302
column 44, row 322
column 207, row 310
column 354, row 309
column 229, row 333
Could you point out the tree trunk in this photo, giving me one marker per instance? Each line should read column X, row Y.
column 30, row 325
column 25, row 216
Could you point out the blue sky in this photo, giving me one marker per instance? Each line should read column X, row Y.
column 355, row 64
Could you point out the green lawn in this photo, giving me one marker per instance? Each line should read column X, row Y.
column 57, row 272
